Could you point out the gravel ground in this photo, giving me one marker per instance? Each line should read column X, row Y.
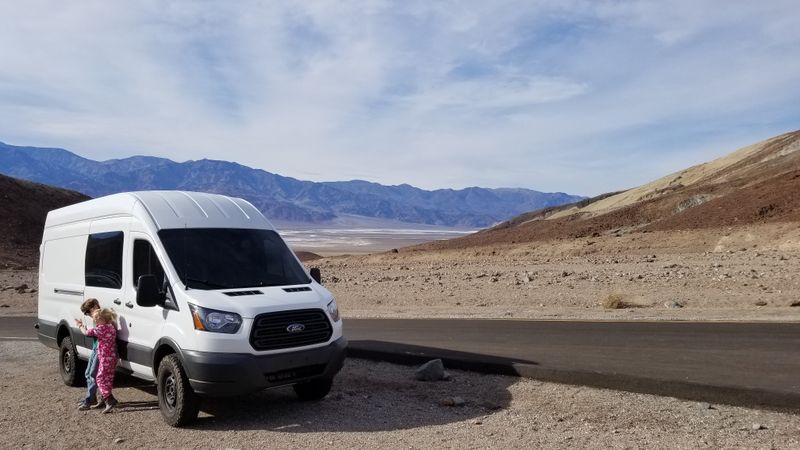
column 377, row 405
column 747, row 274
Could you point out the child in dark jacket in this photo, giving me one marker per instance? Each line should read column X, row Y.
column 90, row 308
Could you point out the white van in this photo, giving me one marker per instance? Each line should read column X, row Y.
column 211, row 301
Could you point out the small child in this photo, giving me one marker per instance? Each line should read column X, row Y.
column 105, row 331
column 90, row 308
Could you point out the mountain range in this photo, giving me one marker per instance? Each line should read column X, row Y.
column 282, row 199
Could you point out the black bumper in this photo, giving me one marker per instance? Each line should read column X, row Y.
column 230, row 374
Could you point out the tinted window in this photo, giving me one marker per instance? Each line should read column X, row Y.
column 145, row 262
column 104, row 260
column 223, row 258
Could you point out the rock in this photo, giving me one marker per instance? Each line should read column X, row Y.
column 394, row 250
column 704, row 405
column 430, row 371
column 452, row 401
column 672, row 305
column 21, row 288
column 758, row 426
column 760, row 303
column 7, row 306
column 119, row 440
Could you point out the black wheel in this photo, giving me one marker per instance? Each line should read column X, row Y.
column 71, row 368
column 178, row 403
column 315, row 389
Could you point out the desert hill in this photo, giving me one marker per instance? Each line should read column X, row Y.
column 757, row 184
column 23, row 210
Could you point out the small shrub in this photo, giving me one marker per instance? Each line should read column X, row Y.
column 614, row 301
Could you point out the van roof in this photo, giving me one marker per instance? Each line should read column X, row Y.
column 167, row 209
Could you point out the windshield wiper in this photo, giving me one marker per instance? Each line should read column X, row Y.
column 206, row 283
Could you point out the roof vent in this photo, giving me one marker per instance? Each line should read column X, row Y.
column 240, row 293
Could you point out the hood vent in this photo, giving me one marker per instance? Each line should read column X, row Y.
column 297, row 289
column 240, row 293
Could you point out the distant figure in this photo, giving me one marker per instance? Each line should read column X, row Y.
column 90, row 308
column 105, row 331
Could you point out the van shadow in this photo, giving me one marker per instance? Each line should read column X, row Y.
column 368, row 396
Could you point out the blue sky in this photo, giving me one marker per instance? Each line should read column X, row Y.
column 583, row 97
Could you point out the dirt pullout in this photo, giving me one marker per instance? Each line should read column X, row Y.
column 23, row 210
column 377, row 405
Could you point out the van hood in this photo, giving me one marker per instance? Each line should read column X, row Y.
column 250, row 302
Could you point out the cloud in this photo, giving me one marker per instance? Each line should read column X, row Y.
column 576, row 96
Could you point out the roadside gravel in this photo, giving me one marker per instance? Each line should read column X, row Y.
column 378, row 405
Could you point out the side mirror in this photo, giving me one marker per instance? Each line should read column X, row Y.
column 316, row 275
column 147, row 291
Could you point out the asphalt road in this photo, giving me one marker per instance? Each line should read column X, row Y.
column 737, row 363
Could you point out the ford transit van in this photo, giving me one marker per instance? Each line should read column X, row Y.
column 211, row 301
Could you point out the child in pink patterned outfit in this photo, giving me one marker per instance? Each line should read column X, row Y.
column 105, row 331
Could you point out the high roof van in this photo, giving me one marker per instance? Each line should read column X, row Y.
column 211, row 301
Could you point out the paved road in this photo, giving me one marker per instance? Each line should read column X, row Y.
column 17, row 328
column 738, row 363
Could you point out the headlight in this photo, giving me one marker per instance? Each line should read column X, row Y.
column 215, row 321
column 333, row 310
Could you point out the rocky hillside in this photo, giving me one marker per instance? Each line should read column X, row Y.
column 282, row 199
column 23, row 209
column 759, row 183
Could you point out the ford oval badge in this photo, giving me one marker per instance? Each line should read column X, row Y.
column 295, row 328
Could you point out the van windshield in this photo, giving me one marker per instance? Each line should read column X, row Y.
column 226, row 258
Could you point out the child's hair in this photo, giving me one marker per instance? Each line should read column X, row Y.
column 107, row 315
column 88, row 305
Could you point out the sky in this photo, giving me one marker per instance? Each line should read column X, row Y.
column 583, row 97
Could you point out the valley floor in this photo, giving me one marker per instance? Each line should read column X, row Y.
column 717, row 274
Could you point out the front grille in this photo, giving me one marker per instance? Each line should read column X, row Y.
column 270, row 330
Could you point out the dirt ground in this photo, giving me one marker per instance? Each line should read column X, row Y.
column 719, row 274
column 723, row 274
column 377, row 405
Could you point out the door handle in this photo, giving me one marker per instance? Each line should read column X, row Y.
column 117, row 302
column 129, row 304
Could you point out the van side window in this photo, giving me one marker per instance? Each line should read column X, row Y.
column 104, row 260
column 145, row 262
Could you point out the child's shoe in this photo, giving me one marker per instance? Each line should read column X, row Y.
column 99, row 405
column 111, row 402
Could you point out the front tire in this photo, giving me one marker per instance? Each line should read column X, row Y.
column 178, row 403
column 69, row 366
column 315, row 389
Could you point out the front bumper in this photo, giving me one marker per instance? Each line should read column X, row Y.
column 231, row 374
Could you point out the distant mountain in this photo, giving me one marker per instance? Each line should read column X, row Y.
column 280, row 198
column 756, row 184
